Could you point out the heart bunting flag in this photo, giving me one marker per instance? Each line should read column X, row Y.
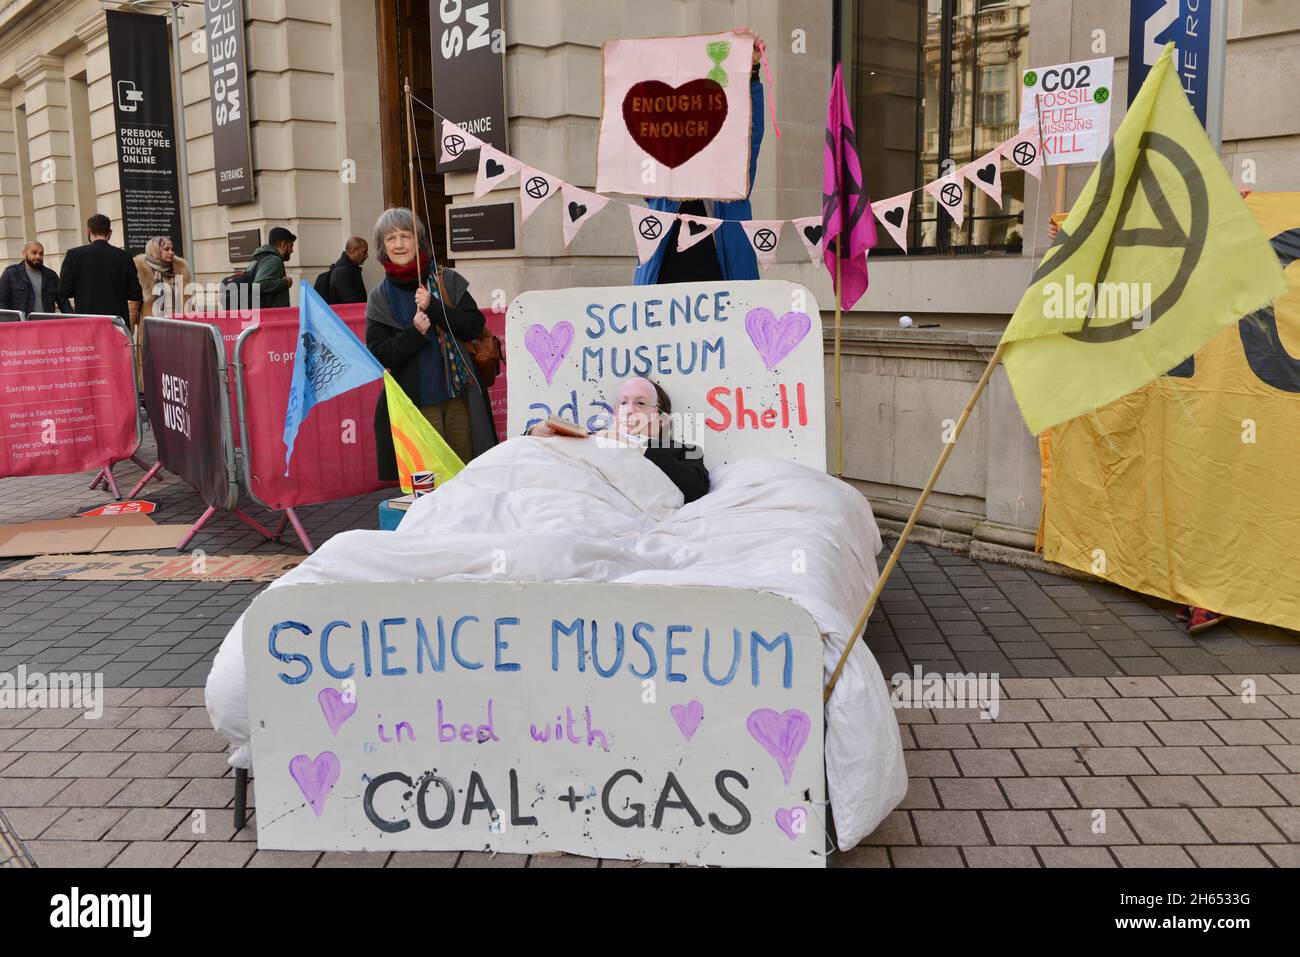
column 764, row 236
column 986, row 175
column 494, row 166
column 649, row 227
column 579, row 206
column 893, row 214
column 695, row 229
column 811, row 231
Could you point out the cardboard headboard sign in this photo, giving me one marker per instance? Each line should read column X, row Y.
column 741, row 361
column 639, row 722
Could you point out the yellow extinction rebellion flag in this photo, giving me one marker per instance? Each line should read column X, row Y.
column 1158, row 255
column 418, row 445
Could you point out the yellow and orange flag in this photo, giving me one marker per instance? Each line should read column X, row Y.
column 418, row 445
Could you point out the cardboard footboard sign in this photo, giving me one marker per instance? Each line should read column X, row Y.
column 742, row 362
column 620, row 721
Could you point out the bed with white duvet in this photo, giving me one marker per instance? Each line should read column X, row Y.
column 574, row 511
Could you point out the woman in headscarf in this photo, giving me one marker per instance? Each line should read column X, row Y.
column 163, row 278
column 417, row 323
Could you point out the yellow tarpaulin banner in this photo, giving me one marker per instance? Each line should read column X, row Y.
column 1189, row 489
column 1156, row 257
column 418, row 445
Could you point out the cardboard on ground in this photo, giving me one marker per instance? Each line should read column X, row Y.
column 85, row 536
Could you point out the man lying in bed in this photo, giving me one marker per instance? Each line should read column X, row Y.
column 644, row 412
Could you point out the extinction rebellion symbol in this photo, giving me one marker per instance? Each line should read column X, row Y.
column 537, row 187
column 765, row 240
column 951, row 194
column 1024, row 154
column 454, row 144
column 650, row 228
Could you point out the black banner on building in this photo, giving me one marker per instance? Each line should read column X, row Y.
column 232, row 144
column 469, row 73
column 139, row 57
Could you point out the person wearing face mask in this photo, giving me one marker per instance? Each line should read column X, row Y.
column 643, row 415
column 418, row 322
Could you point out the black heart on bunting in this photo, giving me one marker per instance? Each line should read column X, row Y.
column 987, row 173
column 695, row 228
column 576, row 211
column 895, row 217
column 814, row 234
column 494, row 169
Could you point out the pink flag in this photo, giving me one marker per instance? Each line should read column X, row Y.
column 950, row 194
column 1025, row 150
column 893, row 214
column 579, row 206
column 764, row 235
column 846, row 208
column 535, row 188
column 695, row 229
column 493, row 167
column 986, row 174
column 649, row 227
column 810, row 230
column 455, row 141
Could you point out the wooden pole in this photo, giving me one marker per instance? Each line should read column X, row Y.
column 839, row 420
column 410, row 140
column 911, row 521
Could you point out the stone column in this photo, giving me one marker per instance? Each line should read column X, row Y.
column 12, row 230
column 49, row 133
column 93, row 34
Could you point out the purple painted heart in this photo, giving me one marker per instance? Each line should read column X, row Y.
column 673, row 124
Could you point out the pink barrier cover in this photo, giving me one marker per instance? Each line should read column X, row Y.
column 67, row 396
column 328, row 467
column 335, row 453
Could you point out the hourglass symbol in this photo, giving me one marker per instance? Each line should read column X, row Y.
column 718, row 52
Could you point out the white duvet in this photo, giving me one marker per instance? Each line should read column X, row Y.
column 570, row 510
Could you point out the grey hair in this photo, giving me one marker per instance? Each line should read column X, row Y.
column 399, row 217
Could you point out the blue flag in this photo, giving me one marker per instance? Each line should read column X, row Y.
column 329, row 361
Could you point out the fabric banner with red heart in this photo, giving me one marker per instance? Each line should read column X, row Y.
column 986, row 174
column 893, row 214
column 579, row 206
column 676, row 117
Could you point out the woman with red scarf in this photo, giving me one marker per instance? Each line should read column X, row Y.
column 416, row 323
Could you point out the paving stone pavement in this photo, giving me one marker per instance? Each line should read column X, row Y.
column 1120, row 740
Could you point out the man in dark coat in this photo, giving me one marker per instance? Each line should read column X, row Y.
column 98, row 278
column 346, row 282
column 31, row 286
